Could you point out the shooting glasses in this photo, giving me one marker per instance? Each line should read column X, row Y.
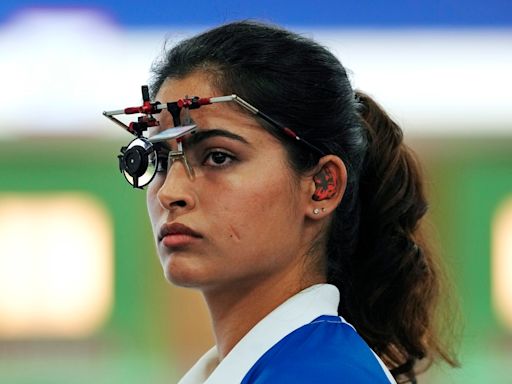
column 141, row 158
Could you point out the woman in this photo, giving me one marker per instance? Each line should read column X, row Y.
column 298, row 221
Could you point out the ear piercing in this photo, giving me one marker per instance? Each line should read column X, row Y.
column 316, row 211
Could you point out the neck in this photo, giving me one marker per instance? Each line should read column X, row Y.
column 235, row 311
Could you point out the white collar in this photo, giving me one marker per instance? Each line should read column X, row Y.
column 298, row 310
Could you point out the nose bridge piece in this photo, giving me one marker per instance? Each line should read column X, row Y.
column 179, row 155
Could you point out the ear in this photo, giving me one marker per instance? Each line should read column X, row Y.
column 327, row 184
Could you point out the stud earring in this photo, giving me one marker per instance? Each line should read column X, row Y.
column 316, row 211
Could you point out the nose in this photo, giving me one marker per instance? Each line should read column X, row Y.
column 176, row 191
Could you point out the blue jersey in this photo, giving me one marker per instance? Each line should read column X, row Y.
column 327, row 350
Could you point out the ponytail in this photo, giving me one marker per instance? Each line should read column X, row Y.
column 387, row 276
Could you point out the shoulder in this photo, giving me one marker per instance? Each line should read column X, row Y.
column 325, row 350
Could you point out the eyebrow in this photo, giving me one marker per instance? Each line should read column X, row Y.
column 201, row 135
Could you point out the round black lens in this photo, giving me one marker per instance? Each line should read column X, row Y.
column 136, row 161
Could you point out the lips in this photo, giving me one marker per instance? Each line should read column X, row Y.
column 177, row 230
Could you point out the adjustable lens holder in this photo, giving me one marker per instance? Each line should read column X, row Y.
column 138, row 161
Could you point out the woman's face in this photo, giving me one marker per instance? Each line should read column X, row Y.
column 240, row 220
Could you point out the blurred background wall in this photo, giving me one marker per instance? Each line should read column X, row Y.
column 82, row 296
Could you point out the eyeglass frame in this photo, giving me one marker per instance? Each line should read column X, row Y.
column 174, row 107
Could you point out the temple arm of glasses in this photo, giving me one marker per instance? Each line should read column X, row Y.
column 198, row 102
column 287, row 131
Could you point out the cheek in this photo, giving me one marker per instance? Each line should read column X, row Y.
column 251, row 208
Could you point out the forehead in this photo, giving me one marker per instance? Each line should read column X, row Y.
column 194, row 84
column 225, row 115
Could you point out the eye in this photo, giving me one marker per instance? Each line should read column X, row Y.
column 218, row 159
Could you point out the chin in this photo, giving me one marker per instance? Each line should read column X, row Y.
column 182, row 275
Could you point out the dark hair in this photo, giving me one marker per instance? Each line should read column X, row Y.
column 387, row 277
